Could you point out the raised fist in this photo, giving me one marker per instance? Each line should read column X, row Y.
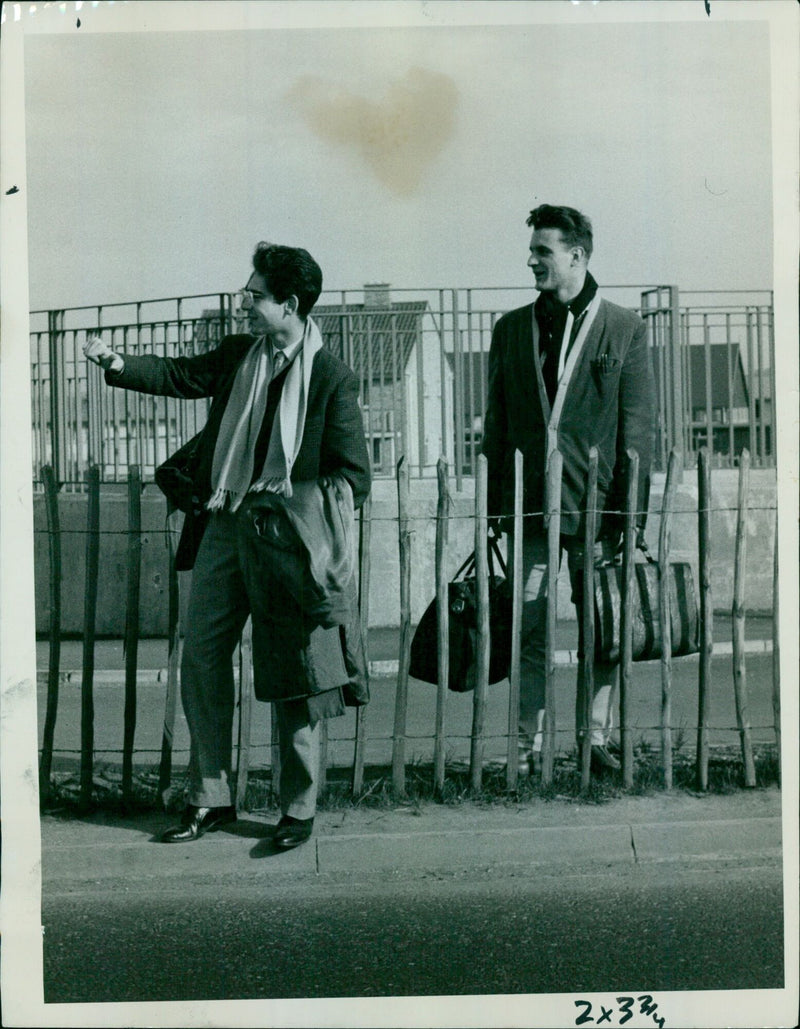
column 98, row 352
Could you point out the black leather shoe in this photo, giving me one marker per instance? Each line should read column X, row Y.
column 198, row 820
column 291, row 832
column 603, row 760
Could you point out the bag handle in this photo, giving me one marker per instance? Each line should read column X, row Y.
column 494, row 549
column 616, row 560
column 493, row 554
column 641, row 544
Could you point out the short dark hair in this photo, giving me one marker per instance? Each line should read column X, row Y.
column 575, row 227
column 289, row 271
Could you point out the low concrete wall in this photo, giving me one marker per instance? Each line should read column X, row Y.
column 384, row 601
column 110, row 620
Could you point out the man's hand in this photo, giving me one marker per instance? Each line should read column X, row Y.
column 607, row 551
column 97, row 351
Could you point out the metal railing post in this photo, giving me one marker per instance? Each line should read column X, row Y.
column 708, row 397
column 678, row 425
column 760, row 377
column 55, row 330
column 421, row 447
column 458, row 394
column 773, row 443
column 223, row 315
column 443, row 378
column 751, row 403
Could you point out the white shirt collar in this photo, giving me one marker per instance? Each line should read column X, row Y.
column 289, row 352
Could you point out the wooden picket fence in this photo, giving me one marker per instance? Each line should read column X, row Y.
column 401, row 699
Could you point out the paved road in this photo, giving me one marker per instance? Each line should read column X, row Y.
column 656, row 928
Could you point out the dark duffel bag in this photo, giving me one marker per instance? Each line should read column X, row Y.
column 463, row 631
column 647, row 643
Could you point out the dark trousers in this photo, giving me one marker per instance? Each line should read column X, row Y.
column 219, row 606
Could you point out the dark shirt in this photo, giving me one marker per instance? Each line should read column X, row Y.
column 551, row 317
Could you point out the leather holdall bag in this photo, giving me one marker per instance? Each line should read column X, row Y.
column 647, row 644
column 463, row 628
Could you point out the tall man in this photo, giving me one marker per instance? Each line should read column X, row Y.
column 571, row 371
column 284, row 416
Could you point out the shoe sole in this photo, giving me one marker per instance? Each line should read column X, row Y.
column 290, row 844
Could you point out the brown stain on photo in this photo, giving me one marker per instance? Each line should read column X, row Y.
column 398, row 137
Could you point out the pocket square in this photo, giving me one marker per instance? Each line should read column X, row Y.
column 605, row 363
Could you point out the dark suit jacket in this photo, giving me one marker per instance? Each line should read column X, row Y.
column 333, row 439
column 609, row 403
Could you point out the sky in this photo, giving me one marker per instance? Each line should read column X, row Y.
column 406, row 155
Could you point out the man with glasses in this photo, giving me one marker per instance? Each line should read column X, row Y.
column 284, row 433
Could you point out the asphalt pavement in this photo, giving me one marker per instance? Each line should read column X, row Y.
column 586, row 904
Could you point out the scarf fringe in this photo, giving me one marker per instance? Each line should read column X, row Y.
column 220, row 499
column 225, row 499
column 275, row 484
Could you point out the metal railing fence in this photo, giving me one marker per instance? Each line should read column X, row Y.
column 421, row 357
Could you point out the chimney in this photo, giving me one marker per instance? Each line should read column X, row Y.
column 377, row 296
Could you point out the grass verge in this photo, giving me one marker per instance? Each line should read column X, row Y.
column 725, row 775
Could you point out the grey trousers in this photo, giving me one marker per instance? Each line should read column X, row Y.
column 218, row 609
column 532, row 645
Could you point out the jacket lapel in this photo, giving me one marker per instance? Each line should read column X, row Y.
column 574, row 366
column 579, row 356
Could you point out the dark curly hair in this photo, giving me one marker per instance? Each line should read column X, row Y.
column 575, row 227
column 289, row 271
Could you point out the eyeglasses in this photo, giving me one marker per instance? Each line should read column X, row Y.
column 248, row 297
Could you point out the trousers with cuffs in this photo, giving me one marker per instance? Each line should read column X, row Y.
column 218, row 609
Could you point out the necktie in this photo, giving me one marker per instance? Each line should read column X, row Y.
column 278, row 363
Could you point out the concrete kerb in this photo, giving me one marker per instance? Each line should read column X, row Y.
column 429, row 840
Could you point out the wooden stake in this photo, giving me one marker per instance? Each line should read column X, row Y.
column 670, row 488
column 275, row 753
column 553, row 509
column 626, row 622
column 482, row 651
column 739, row 666
column 585, row 694
column 442, row 622
column 364, row 533
column 322, row 785
column 173, row 661
column 54, row 663
column 776, row 651
column 132, row 626
column 245, row 712
column 401, row 697
column 89, row 619
column 706, row 614
column 512, row 763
